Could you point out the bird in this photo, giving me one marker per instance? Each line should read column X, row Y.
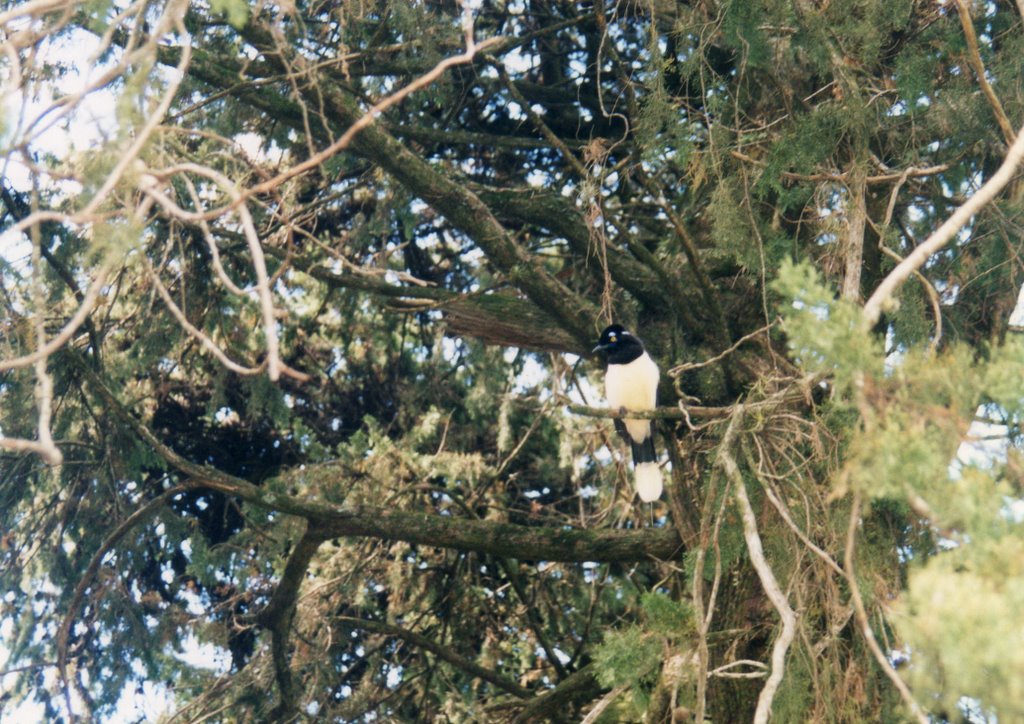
column 631, row 383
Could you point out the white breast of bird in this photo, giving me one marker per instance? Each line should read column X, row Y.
column 633, row 386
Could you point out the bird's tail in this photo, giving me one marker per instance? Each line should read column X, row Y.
column 647, row 472
column 648, row 481
column 644, row 452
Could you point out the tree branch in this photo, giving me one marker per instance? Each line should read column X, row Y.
column 502, row 539
column 915, row 259
column 443, row 531
column 278, row 615
column 581, row 686
column 660, row 413
column 441, row 652
column 763, row 569
column 862, row 616
column 64, row 632
column 974, row 58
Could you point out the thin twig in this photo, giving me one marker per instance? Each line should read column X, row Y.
column 472, row 50
column 211, row 243
column 199, row 335
column 707, row 288
column 704, row 613
column 933, row 295
column 274, row 364
column 912, row 172
column 442, row 652
column 687, row 366
column 784, row 514
column 723, row 670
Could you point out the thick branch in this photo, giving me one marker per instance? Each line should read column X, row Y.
column 661, row 413
column 443, row 531
column 502, row 539
column 278, row 615
column 501, row 319
column 857, row 216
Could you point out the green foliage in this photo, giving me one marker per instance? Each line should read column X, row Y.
column 808, row 143
column 743, row 28
column 824, row 334
column 911, row 327
column 666, row 617
column 236, row 11
column 967, row 595
column 730, row 228
column 627, row 657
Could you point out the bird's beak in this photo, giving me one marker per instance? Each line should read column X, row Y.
column 599, row 348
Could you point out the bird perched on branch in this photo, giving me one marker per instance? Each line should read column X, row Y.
column 631, row 384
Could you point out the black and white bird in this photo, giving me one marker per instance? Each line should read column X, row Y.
column 631, row 383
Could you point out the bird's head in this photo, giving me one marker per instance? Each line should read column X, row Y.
column 615, row 337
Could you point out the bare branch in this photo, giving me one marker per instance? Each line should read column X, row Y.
column 688, row 366
column 203, row 339
column 916, row 259
column 44, row 383
column 594, row 714
column 259, row 261
column 856, row 216
column 34, row 8
column 974, row 58
column 581, row 686
column 763, row 569
column 910, row 172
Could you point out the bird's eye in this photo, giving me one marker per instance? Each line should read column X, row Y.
column 612, row 339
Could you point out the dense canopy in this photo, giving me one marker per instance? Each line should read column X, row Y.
column 299, row 414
